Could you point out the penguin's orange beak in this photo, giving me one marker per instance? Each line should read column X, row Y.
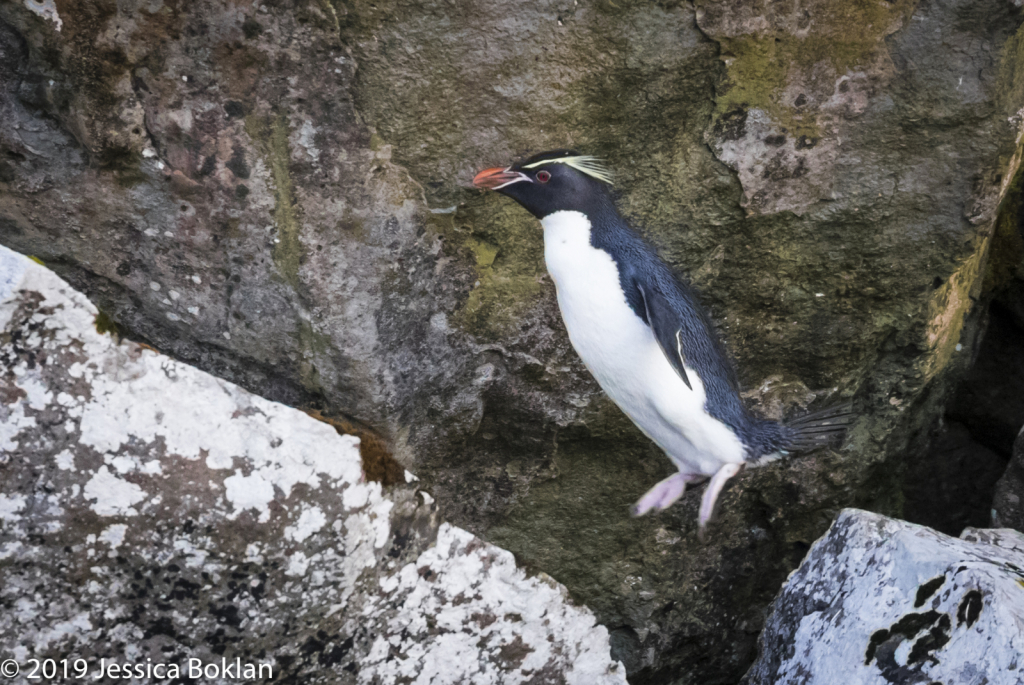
column 497, row 178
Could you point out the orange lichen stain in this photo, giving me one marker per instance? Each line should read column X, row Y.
column 379, row 464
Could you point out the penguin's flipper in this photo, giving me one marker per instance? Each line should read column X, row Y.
column 663, row 321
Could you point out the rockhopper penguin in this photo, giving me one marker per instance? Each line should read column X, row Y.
column 644, row 336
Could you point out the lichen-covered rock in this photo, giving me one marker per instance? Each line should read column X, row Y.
column 278, row 193
column 1008, row 501
column 880, row 601
column 153, row 514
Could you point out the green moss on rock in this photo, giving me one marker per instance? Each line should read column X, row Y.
column 507, row 255
column 763, row 58
column 312, row 344
column 104, row 324
column 1010, row 82
column 271, row 135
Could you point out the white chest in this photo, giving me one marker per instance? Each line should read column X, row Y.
column 606, row 333
column 620, row 350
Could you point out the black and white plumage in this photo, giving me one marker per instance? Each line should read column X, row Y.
column 644, row 336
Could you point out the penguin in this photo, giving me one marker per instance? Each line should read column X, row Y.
column 643, row 335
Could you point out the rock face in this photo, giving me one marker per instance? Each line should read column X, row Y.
column 953, row 472
column 1008, row 502
column 154, row 514
column 277, row 193
column 883, row 601
column 953, row 488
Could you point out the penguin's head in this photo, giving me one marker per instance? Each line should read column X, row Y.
column 550, row 182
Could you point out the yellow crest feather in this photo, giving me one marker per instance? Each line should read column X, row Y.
column 585, row 164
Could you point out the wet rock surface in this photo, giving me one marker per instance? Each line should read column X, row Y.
column 883, row 601
column 155, row 515
column 277, row 193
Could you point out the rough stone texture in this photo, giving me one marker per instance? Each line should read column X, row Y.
column 1008, row 501
column 988, row 398
column 952, row 489
column 952, row 473
column 277, row 193
column 154, row 514
column 883, row 601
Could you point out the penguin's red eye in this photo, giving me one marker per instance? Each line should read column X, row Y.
column 543, row 176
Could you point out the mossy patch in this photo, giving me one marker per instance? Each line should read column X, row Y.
column 125, row 162
column 484, row 251
column 948, row 308
column 494, row 305
column 106, row 325
column 760, row 65
column 92, row 64
column 1010, row 82
column 507, row 255
column 271, row 135
column 312, row 344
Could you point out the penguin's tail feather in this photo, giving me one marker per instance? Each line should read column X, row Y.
column 819, row 428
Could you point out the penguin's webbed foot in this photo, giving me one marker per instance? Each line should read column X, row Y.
column 707, row 503
column 664, row 494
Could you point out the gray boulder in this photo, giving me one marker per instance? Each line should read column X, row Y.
column 1008, row 501
column 883, row 601
column 156, row 515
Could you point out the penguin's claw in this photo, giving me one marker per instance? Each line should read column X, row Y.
column 707, row 503
column 664, row 494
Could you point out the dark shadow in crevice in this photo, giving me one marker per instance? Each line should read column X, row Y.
column 990, row 399
column 951, row 487
column 951, row 484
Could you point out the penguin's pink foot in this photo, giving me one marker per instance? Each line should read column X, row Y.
column 664, row 494
column 707, row 504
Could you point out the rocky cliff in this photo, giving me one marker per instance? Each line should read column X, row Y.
column 278, row 193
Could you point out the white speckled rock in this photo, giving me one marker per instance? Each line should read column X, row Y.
column 879, row 601
column 153, row 514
